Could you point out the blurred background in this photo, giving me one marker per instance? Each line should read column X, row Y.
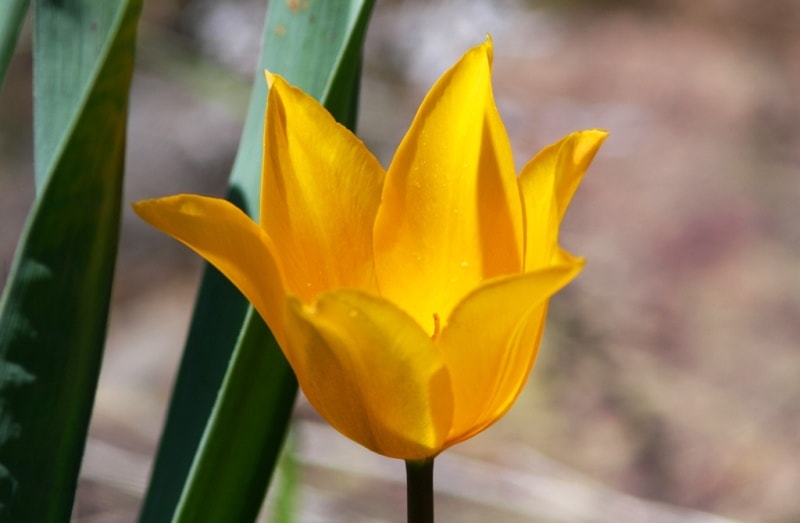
column 668, row 385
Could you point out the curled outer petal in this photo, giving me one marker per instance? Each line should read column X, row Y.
column 451, row 215
column 489, row 354
column 546, row 185
column 320, row 192
column 372, row 372
column 227, row 238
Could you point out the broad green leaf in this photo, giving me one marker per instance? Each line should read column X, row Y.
column 316, row 45
column 12, row 14
column 239, row 450
column 68, row 35
column 54, row 307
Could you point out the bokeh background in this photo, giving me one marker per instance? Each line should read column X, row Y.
column 668, row 386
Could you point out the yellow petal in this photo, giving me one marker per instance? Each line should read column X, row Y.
column 451, row 214
column 490, row 343
column 320, row 192
column 369, row 369
column 547, row 184
column 228, row 239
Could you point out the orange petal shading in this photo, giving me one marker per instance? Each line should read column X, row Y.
column 546, row 184
column 227, row 238
column 490, row 343
column 451, row 215
column 319, row 195
column 369, row 369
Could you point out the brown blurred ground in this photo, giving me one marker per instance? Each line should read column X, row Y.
column 670, row 370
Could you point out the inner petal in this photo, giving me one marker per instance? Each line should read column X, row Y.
column 451, row 213
column 320, row 192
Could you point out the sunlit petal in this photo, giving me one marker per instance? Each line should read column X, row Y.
column 451, row 213
column 320, row 192
column 547, row 184
column 410, row 304
column 369, row 369
column 228, row 239
column 490, row 343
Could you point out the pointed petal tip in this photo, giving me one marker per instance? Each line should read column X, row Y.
column 189, row 204
column 587, row 143
column 598, row 135
column 484, row 50
column 594, row 137
column 601, row 133
column 568, row 263
column 269, row 77
column 145, row 208
column 276, row 82
column 590, row 140
column 564, row 258
column 579, row 264
column 488, row 48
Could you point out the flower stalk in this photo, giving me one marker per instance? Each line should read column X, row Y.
column 419, row 485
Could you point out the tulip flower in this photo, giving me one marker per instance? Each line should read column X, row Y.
column 410, row 302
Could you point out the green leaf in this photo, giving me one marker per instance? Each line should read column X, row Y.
column 68, row 36
column 54, row 307
column 12, row 14
column 239, row 450
column 284, row 495
column 315, row 45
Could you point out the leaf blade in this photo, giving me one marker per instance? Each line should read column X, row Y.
column 12, row 14
column 221, row 313
column 54, row 307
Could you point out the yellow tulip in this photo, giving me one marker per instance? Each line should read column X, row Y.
column 410, row 302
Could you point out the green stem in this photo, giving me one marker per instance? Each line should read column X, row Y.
column 419, row 480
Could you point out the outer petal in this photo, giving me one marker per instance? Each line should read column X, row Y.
column 369, row 369
column 547, row 184
column 320, row 192
column 490, row 343
column 451, row 214
column 227, row 238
